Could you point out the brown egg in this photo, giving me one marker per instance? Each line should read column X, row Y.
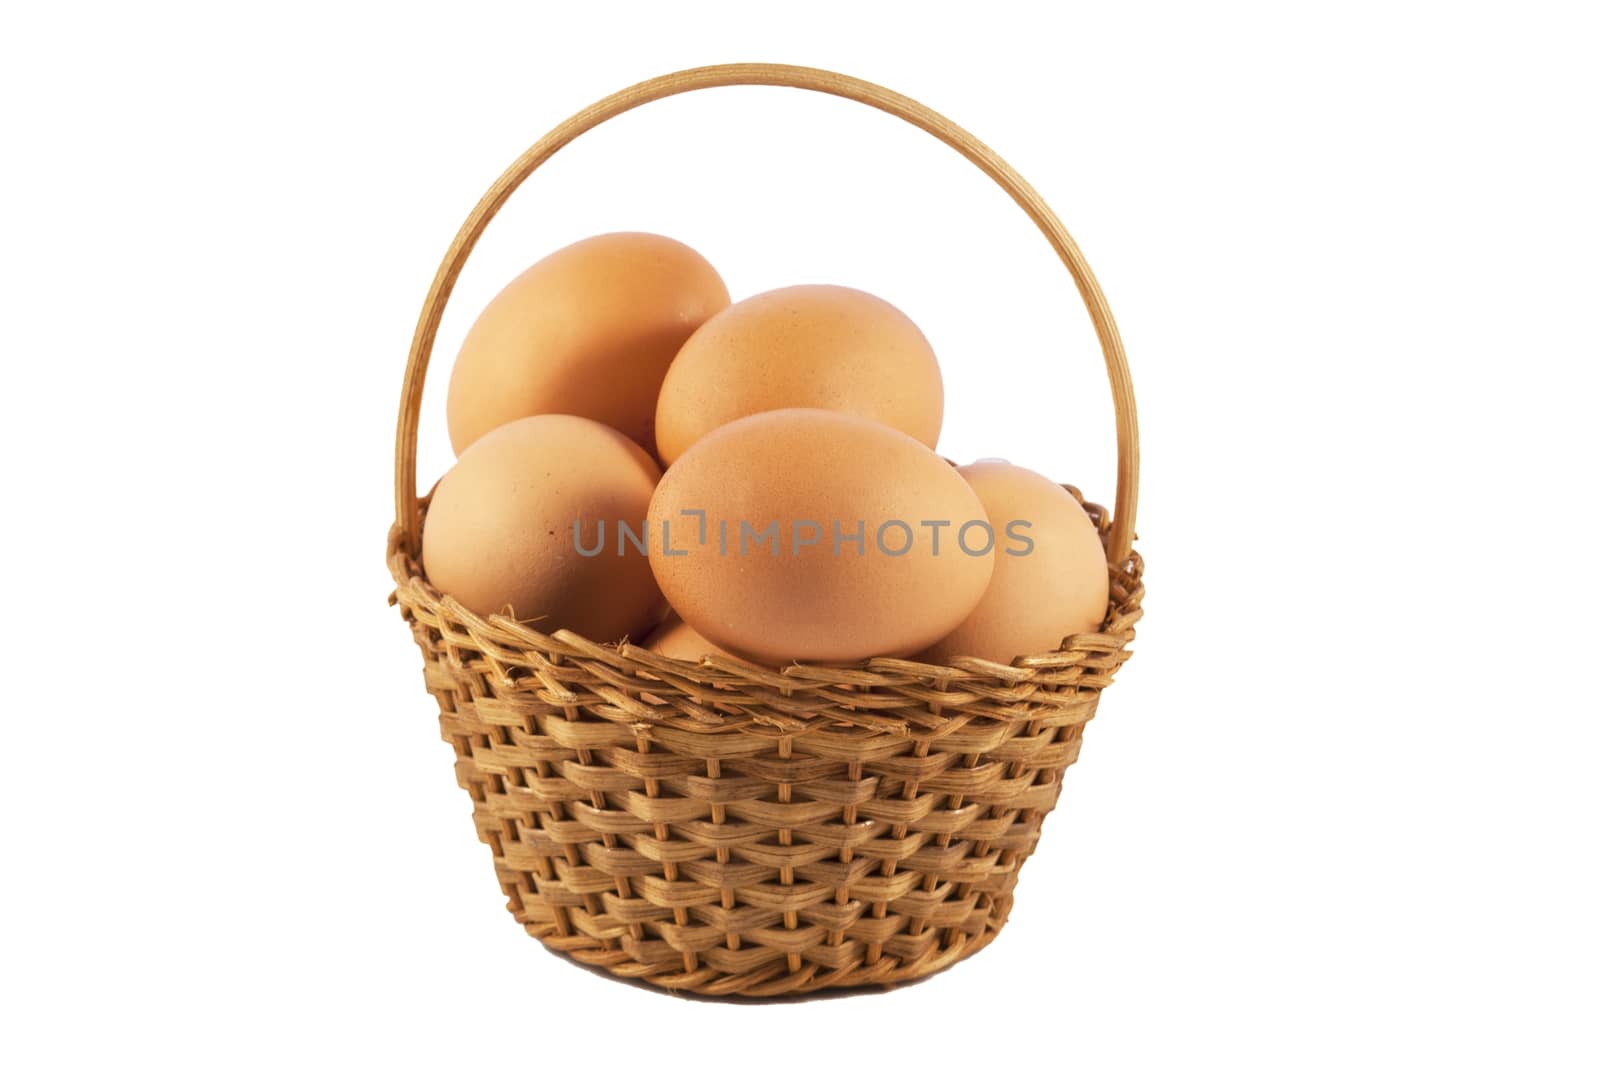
column 816, row 542
column 807, row 346
column 588, row 330
column 500, row 538
column 1050, row 578
column 678, row 639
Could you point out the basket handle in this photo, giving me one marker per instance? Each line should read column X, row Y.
column 407, row 512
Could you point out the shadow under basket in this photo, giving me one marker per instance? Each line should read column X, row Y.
column 727, row 829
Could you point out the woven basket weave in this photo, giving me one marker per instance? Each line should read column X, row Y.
column 726, row 829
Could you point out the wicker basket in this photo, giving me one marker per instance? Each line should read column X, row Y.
column 728, row 830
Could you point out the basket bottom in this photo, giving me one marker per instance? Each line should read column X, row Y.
column 783, row 977
column 792, row 866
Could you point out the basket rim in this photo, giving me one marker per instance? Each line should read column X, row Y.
column 717, row 693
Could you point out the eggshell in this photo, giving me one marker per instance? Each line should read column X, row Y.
column 588, row 330
column 678, row 639
column 499, row 534
column 1040, row 594
column 792, row 475
column 807, row 346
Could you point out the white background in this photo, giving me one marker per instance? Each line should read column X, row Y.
column 1340, row 805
